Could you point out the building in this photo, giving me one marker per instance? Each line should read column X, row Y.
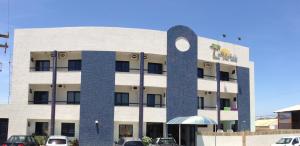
column 266, row 124
column 289, row 118
column 98, row 82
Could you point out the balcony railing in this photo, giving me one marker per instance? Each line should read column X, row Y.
column 214, row 108
column 49, row 102
column 33, row 69
column 145, row 105
column 132, row 104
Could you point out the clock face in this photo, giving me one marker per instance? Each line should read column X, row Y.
column 182, row 44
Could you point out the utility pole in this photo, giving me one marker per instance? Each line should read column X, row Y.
column 4, row 46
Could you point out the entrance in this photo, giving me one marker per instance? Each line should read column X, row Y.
column 3, row 130
column 188, row 134
column 154, row 130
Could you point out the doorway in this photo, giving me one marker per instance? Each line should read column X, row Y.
column 3, row 130
column 154, row 130
column 188, row 134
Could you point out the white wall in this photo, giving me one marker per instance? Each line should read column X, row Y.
column 220, row 141
column 237, row 140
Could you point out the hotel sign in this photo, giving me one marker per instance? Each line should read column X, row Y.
column 222, row 53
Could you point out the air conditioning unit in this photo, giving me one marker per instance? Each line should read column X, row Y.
column 207, row 64
column 62, row 55
column 134, row 56
column 146, row 57
column 134, row 88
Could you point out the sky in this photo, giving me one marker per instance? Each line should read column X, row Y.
column 270, row 28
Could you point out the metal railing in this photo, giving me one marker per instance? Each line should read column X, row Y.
column 131, row 104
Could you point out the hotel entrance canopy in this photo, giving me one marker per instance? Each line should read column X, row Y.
column 192, row 120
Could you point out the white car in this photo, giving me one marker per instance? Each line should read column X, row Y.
column 129, row 142
column 57, row 141
column 288, row 141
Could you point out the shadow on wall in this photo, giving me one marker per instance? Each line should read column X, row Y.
column 199, row 139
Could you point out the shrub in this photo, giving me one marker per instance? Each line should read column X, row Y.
column 74, row 142
column 40, row 140
column 146, row 140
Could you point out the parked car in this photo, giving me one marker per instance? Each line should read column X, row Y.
column 169, row 141
column 20, row 140
column 129, row 142
column 57, row 141
column 288, row 141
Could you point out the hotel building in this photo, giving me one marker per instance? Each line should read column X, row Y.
column 103, row 71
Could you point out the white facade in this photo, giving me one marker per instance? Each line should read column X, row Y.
column 36, row 44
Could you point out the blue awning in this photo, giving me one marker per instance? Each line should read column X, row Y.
column 192, row 120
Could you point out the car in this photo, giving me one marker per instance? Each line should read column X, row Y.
column 20, row 140
column 129, row 142
column 288, row 141
column 57, row 141
column 168, row 141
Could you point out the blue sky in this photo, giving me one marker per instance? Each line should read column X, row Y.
column 271, row 28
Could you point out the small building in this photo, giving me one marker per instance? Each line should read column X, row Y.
column 289, row 118
column 266, row 124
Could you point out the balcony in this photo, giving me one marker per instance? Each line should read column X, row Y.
column 66, row 94
column 131, row 114
column 225, row 115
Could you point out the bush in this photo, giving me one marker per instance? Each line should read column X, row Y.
column 74, row 142
column 146, row 140
column 40, row 140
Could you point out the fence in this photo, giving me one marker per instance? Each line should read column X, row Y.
column 259, row 138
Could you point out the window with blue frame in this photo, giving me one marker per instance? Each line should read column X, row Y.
column 68, row 129
column 42, row 65
column 122, row 66
column 74, row 65
column 41, row 97
column 200, row 73
column 121, row 99
column 224, row 76
column 200, row 102
column 151, row 100
column 154, row 100
column 155, row 68
column 73, row 97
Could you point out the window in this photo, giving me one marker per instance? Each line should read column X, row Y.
column 224, row 104
column 73, row 97
column 224, row 76
column 125, row 131
column 154, row 99
column 122, row 99
column 200, row 102
column 295, row 141
column 41, row 97
column 74, row 65
column 41, row 128
column 151, row 100
column 68, row 129
column 200, row 73
column 155, row 68
column 42, row 65
column 122, row 66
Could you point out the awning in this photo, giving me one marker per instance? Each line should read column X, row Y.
column 192, row 120
column 289, row 109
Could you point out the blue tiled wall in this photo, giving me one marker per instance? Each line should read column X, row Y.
column 181, row 74
column 97, row 98
column 243, row 98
